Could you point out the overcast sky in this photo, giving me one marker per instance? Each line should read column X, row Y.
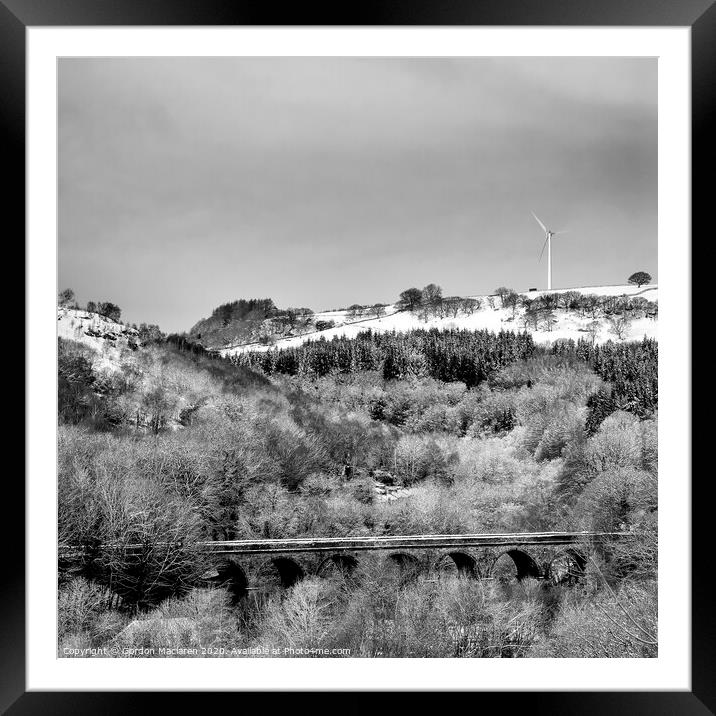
column 185, row 183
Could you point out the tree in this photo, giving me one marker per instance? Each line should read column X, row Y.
column 76, row 389
column 432, row 293
column 619, row 326
column 150, row 333
column 503, row 292
column 109, row 310
column 355, row 311
column 432, row 298
column 511, row 299
column 453, row 305
column 410, row 299
column 591, row 305
column 569, row 300
column 378, row 309
column 91, row 307
column 550, row 319
column 296, row 317
column 593, row 328
column 639, row 278
column 532, row 314
column 470, row 305
column 66, row 297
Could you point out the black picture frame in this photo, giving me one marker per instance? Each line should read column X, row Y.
column 699, row 15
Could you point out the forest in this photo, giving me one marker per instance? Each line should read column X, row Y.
column 474, row 432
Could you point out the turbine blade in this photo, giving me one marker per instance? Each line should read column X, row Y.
column 544, row 246
column 554, row 233
column 544, row 228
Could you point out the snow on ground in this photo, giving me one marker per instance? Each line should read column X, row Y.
column 569, row 324
column 107, row 338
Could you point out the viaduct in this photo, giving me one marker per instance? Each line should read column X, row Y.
column 260, row 565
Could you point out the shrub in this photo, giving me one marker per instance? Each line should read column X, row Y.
column 363, row 491
column 622, row 442
column 80, row 605
column 66, row 298
column 209, row 614
column 418, row 457
column 550, row 421
column 617, row 500
column 428, row 509
column 609, row 626
column 301, row 619
column 324, row 325
column 317, row 485
column 495, row 412
column 491, row 460
column 447, row 617
column 618, row 443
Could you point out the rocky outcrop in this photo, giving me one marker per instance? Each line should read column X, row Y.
column 94, row 330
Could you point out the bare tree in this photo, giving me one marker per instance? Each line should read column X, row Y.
column 410, row 299
column 501, row 292
column 550, row 320
column 470, row 305
column 619, row 326
column 355, row 312
column 452, row 305
column 511, row 300
column 593, row 328
column 432, row 298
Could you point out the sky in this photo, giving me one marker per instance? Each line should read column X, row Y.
column 185, row 183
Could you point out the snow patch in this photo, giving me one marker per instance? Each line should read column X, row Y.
column 568, row 325
column 108, row 339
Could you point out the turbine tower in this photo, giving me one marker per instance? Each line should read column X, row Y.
column 548, row 243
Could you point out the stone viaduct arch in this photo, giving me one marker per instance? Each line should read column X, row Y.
column 461, row 563
column 517, row 563
column 556, row 557
column 344, row 564
column 280, row 571
column 255, row 565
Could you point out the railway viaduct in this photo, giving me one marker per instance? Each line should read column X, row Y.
column 265, row 564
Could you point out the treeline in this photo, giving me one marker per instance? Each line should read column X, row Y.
column 184, row 343
column 471, row 357
column 537, row 312
column 429, row 302
column 631, row 369
column 112, row 311
column 250, row 320
column 446, row 355
column 243, row 309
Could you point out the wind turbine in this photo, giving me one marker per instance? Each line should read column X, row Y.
column 548, row 243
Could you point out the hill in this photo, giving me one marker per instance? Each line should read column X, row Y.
column 93, row 329
column 491, row 315
column 241, row 321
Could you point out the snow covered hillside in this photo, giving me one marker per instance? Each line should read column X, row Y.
column 490, row 316
column 107, row 338
column 93, row 330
